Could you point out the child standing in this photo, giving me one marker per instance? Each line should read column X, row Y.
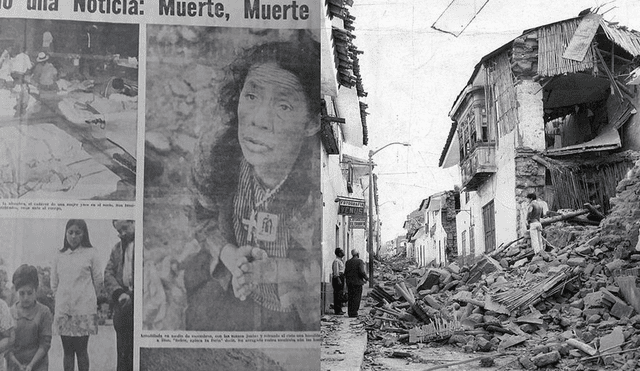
column 33, row 324
column 7, row 335
column 76, row 279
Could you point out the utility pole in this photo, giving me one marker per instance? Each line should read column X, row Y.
column 370, row 226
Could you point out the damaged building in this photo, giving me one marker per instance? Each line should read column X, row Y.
column 344, row 134
column 552, row 112
column 431, row 229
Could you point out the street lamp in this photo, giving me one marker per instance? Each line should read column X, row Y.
column 370, row 239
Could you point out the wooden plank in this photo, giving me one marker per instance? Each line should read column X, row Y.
column 581, row 40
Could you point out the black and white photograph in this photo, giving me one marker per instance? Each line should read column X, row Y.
column 237, row 359
column 67, row 294
column 232, row 206
column 68, row 109
column 498, row 177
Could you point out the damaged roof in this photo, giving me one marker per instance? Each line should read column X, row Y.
column 346, row 56
column 553, row 63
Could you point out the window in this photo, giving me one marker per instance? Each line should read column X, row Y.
column 484, row 126
column 463, row 244
column 472, row 242
column 489, row 223
column 337, row 237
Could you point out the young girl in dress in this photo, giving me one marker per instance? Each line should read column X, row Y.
column 33, row 325
column 76, row 279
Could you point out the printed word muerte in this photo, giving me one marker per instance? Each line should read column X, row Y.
column 255, row 10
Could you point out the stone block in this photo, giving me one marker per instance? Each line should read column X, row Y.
column 412, row 281
column 484, row 266
column 615, row 264
column 589, row 269
column 612, row 341
column 427, row 281
column 545, row 359
column 592, row 312
column 584, row 250
column 597, row 270
column 526, row 363
column 454, row 268
column 613, row 289
column 539, row 350
column 577, row 262
column 577, row 304
column 432, row 302
column 512, row 340
column 483, row 344
column 573, row 311
column 609, row 298
column 621, row 310
column 593, row 299
column 594, row 318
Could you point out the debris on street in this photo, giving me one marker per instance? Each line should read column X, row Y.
column 574, row 306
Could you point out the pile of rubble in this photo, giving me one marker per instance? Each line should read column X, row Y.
column 574, row 306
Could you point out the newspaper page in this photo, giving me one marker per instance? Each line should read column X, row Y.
column 171, row 147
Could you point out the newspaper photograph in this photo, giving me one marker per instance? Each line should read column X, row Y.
column 216, row 169
column 64, row 289
column 232, row 207
column 68, row 109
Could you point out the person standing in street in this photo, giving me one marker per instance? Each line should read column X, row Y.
column 356, row 276
column 337, row 281
column 76, row 281
column 118, row 279
column 535, row 212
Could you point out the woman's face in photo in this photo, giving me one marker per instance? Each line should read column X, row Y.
column 74, row 236
column 273, row 116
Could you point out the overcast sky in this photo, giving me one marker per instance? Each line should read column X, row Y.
column 413, row 73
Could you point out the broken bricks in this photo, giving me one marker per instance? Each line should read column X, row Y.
column 569, row 307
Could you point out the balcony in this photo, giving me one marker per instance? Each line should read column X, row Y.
column 478, row 166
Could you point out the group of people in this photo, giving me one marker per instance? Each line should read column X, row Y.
column 354, row 275
column 19, row 68
column 27, row 327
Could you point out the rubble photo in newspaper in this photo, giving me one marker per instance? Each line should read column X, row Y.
column 232, row 207
column 57, row 281
column 68, row 109
column 237, row 359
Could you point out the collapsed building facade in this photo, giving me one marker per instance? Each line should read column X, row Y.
column 552, row 112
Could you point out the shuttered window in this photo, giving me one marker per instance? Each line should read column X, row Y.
column 489, row 223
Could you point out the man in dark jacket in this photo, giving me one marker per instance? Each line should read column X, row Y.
column 118, row 280
column 356, row 276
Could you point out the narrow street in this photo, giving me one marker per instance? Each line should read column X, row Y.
column 573, row 306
